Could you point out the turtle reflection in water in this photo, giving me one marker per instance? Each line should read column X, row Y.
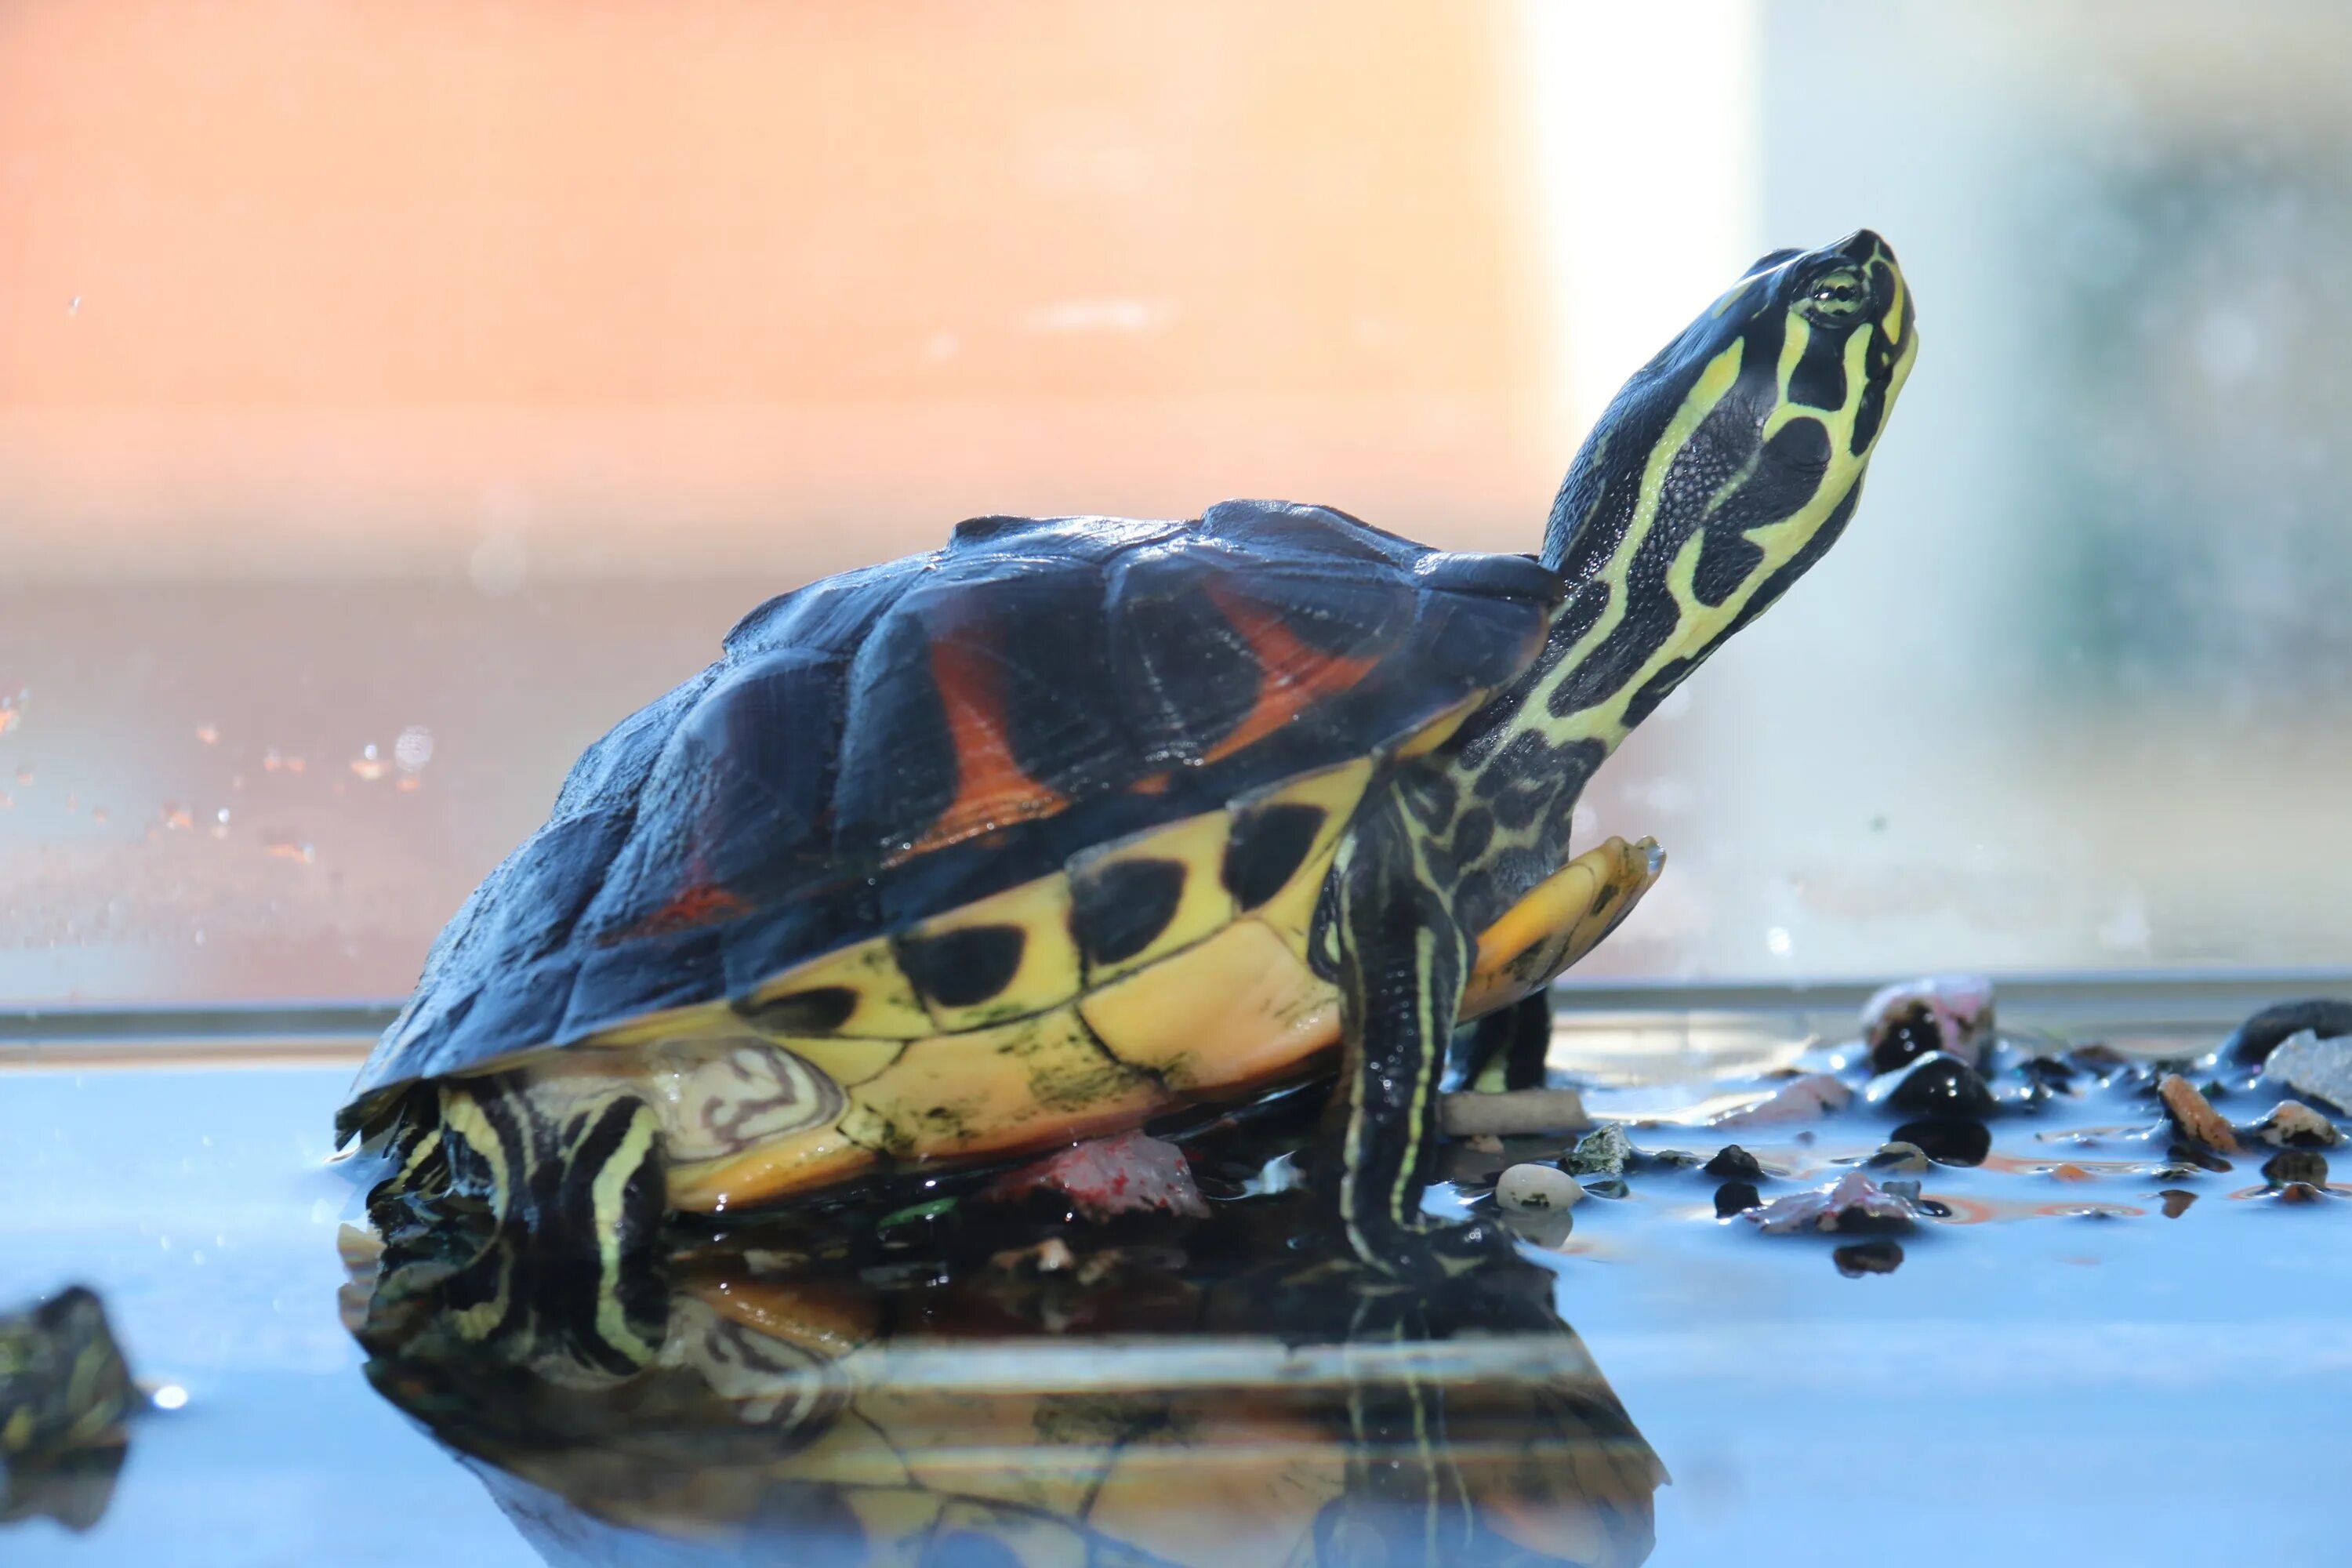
column 1139, row 1407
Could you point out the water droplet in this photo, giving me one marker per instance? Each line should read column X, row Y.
column 73, row 307
column 171, row 1396
column 207, row 734
column 177, row 815
column 412, row 749
column 220, row 823
column 369, row 764
column 1778, row 941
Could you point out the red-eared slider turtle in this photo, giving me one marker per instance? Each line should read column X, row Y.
column 1081, row 819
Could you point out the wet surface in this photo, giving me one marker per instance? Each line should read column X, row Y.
column 2089, row 1349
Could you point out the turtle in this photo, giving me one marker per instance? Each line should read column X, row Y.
column 1079, row 822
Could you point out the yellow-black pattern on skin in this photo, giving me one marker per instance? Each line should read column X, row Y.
column 533, row 1213
column 1724, row 468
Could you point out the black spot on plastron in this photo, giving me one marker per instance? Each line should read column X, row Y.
column 962, row 968
column 1267, row 846
column 1473, row 833
column 819, row 1010
column 1119, row 909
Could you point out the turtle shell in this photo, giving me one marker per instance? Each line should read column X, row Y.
column 887, row 745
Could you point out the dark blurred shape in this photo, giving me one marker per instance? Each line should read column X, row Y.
column 2259, row 1036
column 64, row 1391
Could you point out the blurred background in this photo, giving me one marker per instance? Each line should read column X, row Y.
column 393, row 397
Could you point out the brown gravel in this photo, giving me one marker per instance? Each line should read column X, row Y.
column 2194, row 1115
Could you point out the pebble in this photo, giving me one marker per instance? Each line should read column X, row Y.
column 1540, row 1189
column 1735, row 1198
column 2176, row 1201
column 1603, row 1151
column 1937, row 1084
column 2289, row 1166
column 1947, row 1143
column 2294, row 1125
column 1854, row 1202
column 1799, row 1099
column 1948, row 1013
column 2193, row 1115
column 2255, row 1039
column 1880, row 1255
column 1731, row 1163
column 2312, row 1067
column 1899, row 1156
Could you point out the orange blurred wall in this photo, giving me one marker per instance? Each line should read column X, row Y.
column 342, row 288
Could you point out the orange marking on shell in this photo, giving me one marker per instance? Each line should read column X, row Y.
column 1293, row 677
column 705, row 904
column 992, row 789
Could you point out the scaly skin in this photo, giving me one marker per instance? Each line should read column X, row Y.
column 1725, row 467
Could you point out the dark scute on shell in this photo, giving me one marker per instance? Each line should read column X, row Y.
column 756, row 817
column 1191, row 677
column 2259, row 1036
column 962, row 968
column 1267, row 845
column 817, row 1011
column 1118, row 909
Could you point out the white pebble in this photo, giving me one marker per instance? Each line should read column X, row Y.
column 1538, row 1189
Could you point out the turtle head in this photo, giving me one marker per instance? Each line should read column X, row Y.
column 1744, row 441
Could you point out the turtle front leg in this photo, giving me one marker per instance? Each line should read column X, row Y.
column 1401, row 961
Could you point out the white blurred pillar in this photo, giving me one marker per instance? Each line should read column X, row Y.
column 1646, row 117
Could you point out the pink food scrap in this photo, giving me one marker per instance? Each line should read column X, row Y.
column 1130, row 1173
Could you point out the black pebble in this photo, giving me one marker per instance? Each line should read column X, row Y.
column 1937, row 1085
column 2259, row 1036
column 2289, row 1165
column 1731, row 1163
column 1946, row 1143
column 1905, row 1038
column 1736, row 1198
column 1879, row 1254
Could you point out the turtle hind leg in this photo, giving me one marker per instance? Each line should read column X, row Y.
column 532, row 1211
column 1506, row 1048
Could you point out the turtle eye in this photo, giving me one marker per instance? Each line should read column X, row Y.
column 1834, row 296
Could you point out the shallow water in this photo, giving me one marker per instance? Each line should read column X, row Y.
column 2074, row 1379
